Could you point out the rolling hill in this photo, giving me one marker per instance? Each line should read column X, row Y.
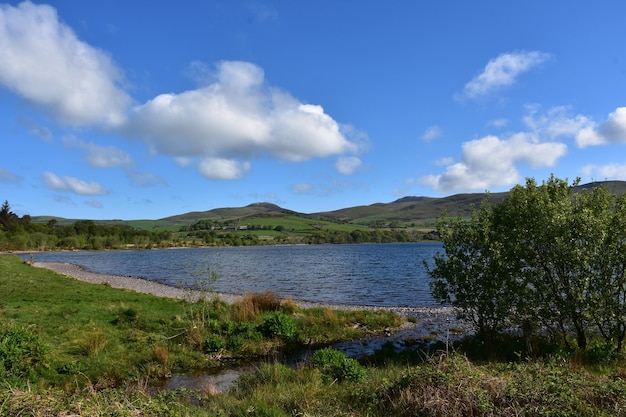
column 416, row 211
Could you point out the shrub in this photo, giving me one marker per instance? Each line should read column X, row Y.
column 21, row 351
column 336, row 366
column 213, row 343
column 253, row 304
column 279, row 325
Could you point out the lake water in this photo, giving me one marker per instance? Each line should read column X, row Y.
column 389, row 274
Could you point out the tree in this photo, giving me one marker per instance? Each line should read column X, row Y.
column 7, row 218
column 474, row 275
column 546, row 257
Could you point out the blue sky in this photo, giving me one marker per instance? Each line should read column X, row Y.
column 146, row 109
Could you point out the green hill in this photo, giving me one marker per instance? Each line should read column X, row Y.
column 410, row 210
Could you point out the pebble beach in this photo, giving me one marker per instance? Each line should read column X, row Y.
column 162, row 290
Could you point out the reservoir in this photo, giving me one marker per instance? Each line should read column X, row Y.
column 390, row 274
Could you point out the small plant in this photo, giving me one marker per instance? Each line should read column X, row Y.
column 289, row 306
column 254, row 304
column 161, row 354
column 279, row 325
column 336, row 366
column 213, row 343
column 21, row 351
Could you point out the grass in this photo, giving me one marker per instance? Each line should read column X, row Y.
column 110, row 336
column 96, row 348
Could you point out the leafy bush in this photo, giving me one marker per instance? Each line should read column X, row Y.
column 213, row 343
column 21, row 352
column 279, row 325
column 335, row 365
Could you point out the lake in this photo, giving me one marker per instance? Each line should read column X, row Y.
column 390, row 274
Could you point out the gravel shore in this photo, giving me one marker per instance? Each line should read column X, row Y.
column 162, row 290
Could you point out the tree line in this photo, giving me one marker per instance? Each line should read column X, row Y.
column 546, row 260
column 20, row 233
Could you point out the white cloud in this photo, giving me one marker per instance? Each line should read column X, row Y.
column 36, row 129
column 302, row 188
column 7, row 176
column 145, row 179
column 556, row 122
column 433, row 132
column 238, row 116
column 446, row 160
column 42, row 60
column 611, row 131
column 54, row 182
column 503, row 71
column 94, row 203
column 348, row 165
column 610, row 171
column 222, row 169
column 498, row 123
column 99, row 156
column 491, row 162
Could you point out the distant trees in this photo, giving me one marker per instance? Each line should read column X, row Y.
column 20, row 233
column 7, row 218
column 546, row 258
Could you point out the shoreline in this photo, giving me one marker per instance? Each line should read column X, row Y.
column 162, row 290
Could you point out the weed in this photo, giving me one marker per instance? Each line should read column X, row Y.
column 160, row 353
column 279, row 325
column 336, row 366
column 22, row 352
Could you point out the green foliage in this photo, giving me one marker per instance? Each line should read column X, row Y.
column 545, row 258
column 22, row 352
column 336, row 366
column 280, row 325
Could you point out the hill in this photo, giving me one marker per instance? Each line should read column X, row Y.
column 419, row 211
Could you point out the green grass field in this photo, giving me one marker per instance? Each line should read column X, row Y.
column 69, row 348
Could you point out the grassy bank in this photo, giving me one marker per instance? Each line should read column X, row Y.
column 109, row 336
column 70, row 348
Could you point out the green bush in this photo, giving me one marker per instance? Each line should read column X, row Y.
column 213, row 343
column 335, row 365
column 21, row 352
column 279, row 325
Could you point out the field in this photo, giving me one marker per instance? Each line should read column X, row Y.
column 72, row 348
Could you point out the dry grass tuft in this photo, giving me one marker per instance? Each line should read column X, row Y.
column 253, row 304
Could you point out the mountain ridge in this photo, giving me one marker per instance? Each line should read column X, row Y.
column 416, row 210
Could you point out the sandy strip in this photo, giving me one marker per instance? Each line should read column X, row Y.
column 162, row 290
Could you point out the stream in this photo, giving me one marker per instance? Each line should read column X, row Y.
column 431, row 327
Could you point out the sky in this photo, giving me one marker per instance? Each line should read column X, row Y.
column 148, row 109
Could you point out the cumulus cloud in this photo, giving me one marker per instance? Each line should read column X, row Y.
column 503, row 71
column 222, row 169
column 491, row 162
column 601, row 172
column 556, row 122
column 348, row 165
column 234, row 116
column 75, row 185
column 237, row 116
column 99, row 156
column 613, row 130
column 7, row 176
column 42, row 60
column 432, row 133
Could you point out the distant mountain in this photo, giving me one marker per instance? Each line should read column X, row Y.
column 229, row 213
column 421, row 211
